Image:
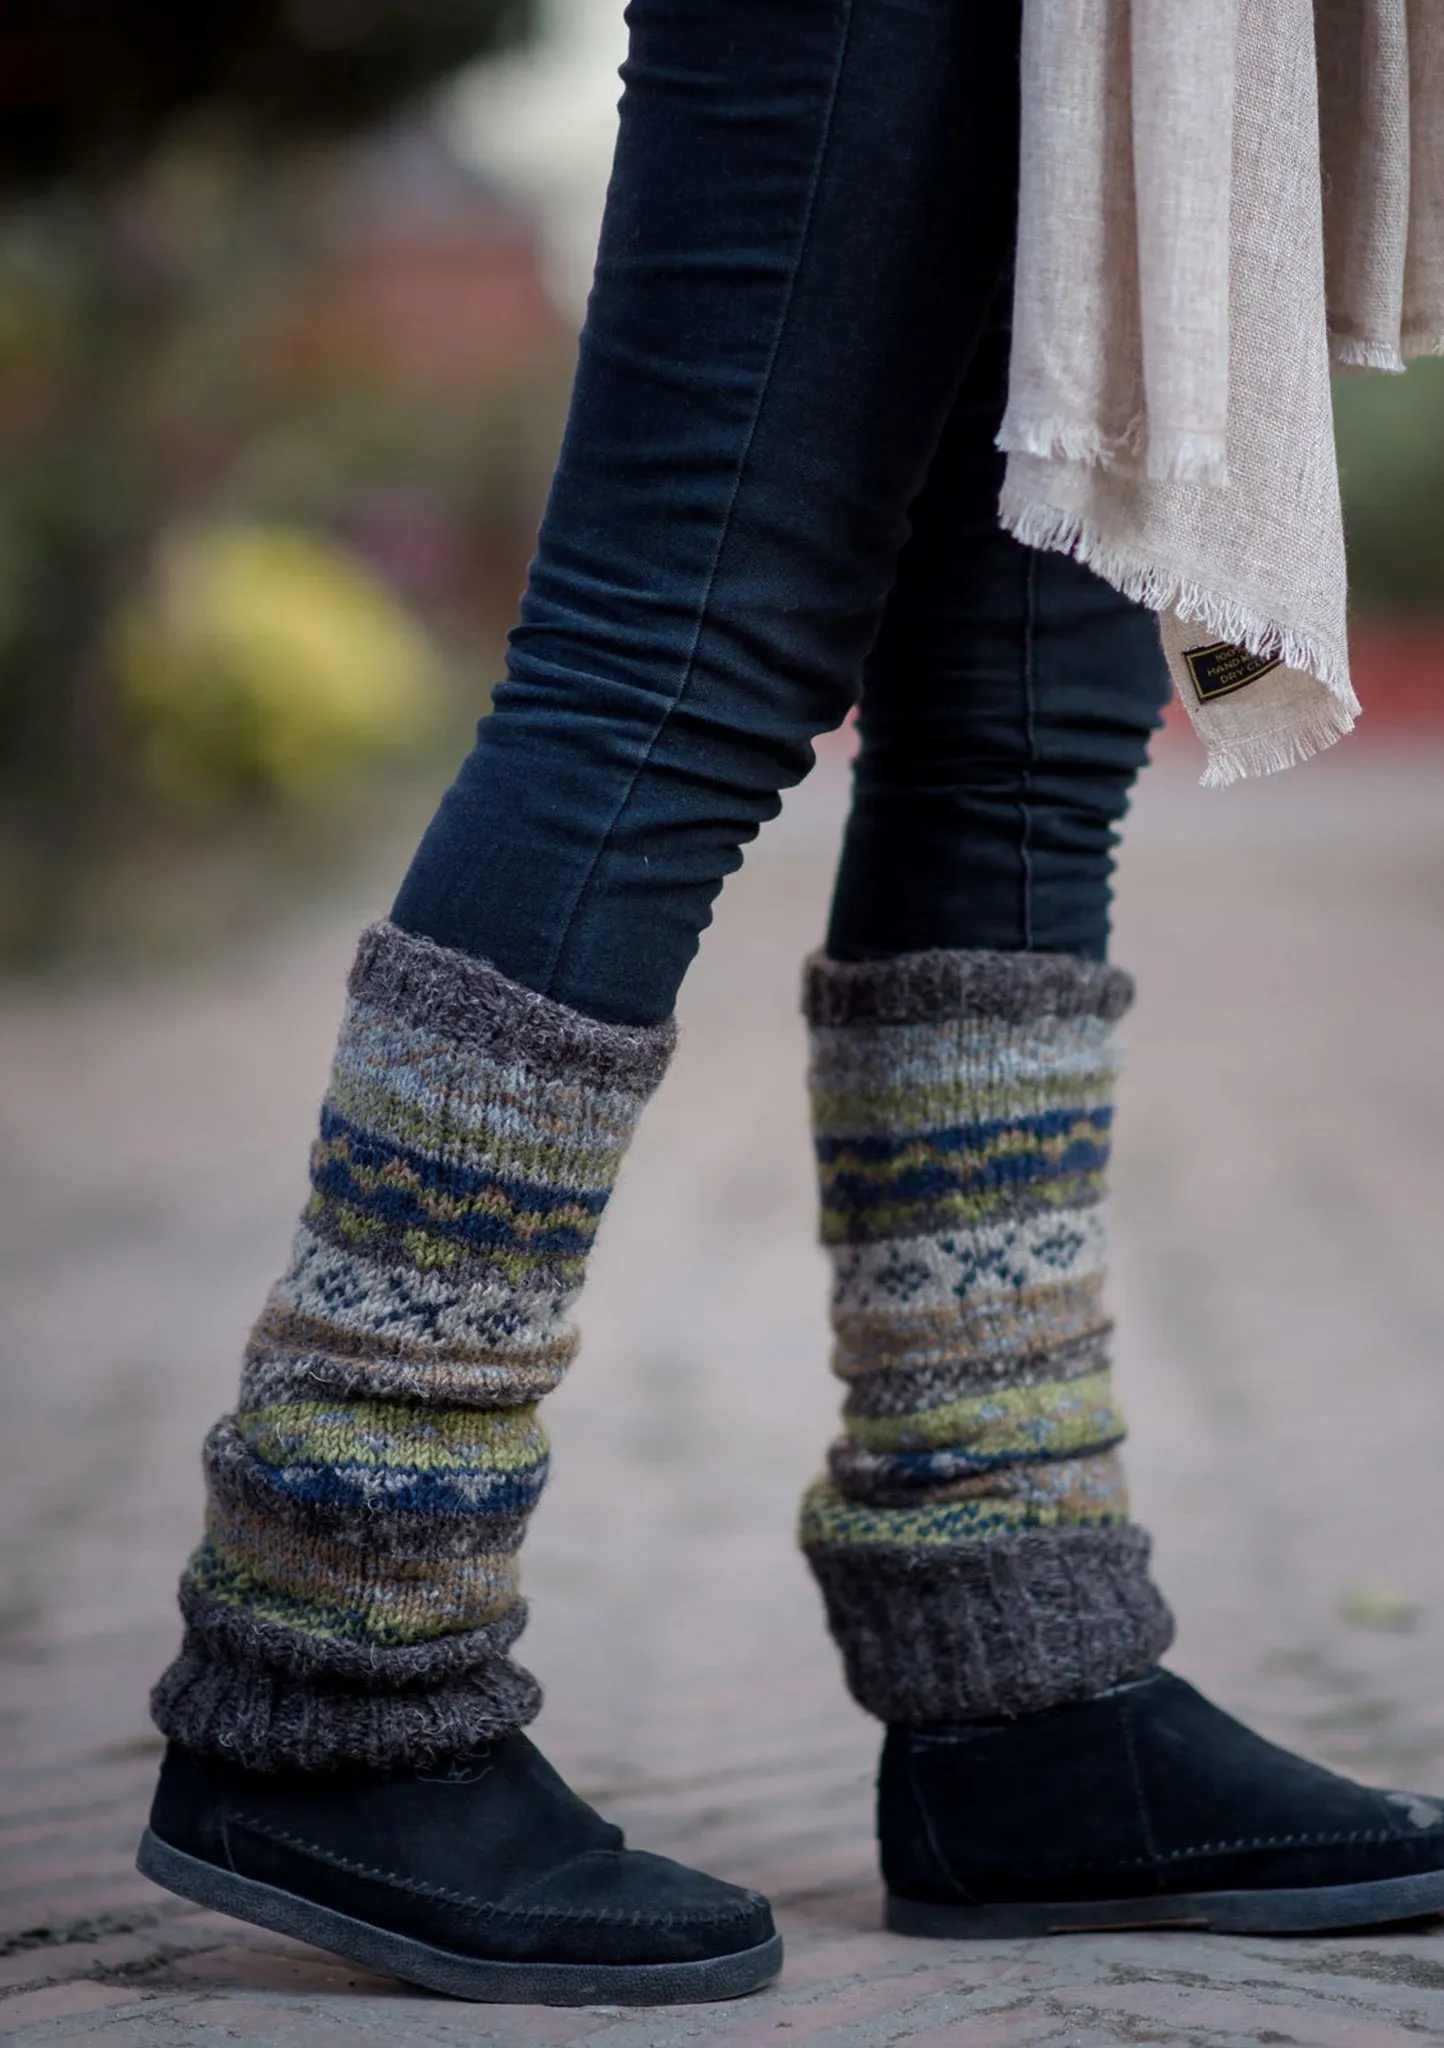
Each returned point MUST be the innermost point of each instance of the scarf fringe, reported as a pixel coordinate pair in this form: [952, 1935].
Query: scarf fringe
[1045, 526]
[1230, 758]
[1181, 459]
[1064, 441]
[1270, 753]
[1347, 352]
[1200, 459]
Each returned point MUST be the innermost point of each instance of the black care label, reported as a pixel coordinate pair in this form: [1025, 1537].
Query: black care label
[1220, 669]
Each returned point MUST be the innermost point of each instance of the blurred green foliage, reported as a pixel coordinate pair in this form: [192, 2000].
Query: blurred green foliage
[261, 661]
[1391, 452]
[205, 479]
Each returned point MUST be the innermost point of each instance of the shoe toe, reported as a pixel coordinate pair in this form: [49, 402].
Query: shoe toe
[629, 1906]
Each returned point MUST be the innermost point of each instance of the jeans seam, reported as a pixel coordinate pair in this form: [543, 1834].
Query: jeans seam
[1030, 742]
[725, 526]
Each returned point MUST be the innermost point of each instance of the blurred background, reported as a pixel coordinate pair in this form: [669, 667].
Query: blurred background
[283, 349]
[288, 298]
[287, 303]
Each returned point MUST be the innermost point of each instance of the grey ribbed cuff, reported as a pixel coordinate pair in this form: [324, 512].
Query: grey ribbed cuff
[920, 988]
[250, 1692]
[977, 1631]
[418, 982]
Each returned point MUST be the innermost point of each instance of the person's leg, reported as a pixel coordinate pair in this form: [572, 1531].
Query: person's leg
[811, 202]
[1007, 708]
[990, 1595]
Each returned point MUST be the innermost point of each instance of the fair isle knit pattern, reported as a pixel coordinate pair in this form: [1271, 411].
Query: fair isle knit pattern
[355, 1595]
[971, 1534]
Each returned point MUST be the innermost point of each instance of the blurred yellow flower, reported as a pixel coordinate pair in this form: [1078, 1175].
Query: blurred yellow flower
[263, 660]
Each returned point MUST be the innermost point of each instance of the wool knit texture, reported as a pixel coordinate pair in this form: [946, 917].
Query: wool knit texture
[971, 1534]
[354, 1598]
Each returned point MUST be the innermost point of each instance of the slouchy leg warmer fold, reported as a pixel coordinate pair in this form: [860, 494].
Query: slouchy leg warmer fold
[971, 1537]
[355, 1598]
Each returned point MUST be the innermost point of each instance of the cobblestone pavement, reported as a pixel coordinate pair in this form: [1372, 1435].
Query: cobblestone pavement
[1281, 1297]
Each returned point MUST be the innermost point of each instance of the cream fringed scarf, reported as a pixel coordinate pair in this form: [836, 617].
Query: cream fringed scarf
[1219, 200]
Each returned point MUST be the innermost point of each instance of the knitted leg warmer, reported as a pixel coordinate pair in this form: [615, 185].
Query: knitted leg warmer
[972, 1538]
[355, 1595]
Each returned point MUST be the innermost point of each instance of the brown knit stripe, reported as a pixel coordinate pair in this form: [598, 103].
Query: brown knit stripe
[330, 1587]
[426, 1382]
[988, 1338]
[285, 1332]
[914, 1391]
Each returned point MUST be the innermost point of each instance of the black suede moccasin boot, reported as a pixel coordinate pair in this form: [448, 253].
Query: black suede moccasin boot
[1144, 1807]
[485, 1879]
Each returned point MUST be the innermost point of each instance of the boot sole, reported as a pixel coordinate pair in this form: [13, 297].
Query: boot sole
[1320, 1909]
[437, 1969]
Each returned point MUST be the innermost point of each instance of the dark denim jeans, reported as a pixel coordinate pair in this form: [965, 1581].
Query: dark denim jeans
[775, 499]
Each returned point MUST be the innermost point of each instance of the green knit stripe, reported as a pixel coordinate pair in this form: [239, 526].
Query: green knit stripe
[327, 1592]
[386, 1435]
[955, 1208]
[524, 1141]
[926, 1077]
[904, 1109]
[1068, 1494]
[1050, 1420]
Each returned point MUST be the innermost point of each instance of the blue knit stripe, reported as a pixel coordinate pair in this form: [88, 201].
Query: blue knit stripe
[922, 1469]
[932, 1179]
[453, 1180]
[878, 1147]
[391, 1215]
[476, 1493]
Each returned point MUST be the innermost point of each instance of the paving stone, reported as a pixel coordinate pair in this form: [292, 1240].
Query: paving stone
[146, 1948]
[263, 1965]
[1281, 1307]
[57, 2002]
